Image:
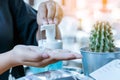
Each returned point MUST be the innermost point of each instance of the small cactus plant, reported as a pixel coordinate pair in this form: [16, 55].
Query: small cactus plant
[101, 39]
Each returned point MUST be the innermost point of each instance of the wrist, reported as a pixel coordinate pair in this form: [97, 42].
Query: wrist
[8, 61]
[13, 59]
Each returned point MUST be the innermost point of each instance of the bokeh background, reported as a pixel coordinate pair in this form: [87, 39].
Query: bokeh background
[78, 20]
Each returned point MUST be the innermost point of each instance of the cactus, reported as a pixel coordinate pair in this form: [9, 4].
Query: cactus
[101, 39]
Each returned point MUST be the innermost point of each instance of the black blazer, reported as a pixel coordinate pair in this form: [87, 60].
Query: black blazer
[17, 26]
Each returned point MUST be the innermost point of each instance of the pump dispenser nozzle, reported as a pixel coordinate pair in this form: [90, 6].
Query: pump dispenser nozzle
[50, 32]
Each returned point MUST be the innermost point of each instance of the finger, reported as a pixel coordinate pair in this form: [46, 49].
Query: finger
[64, 55]
[36, 54]
[57, 57]
[35, 64]
[77, 55]
[42, 21]
[42, 14]
[33, 58]
[42, 63]
[58, 15]
[40, 51]
[51, 7]
[46, 62]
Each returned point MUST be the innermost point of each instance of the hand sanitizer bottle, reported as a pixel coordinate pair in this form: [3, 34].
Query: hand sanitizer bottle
[51, 43]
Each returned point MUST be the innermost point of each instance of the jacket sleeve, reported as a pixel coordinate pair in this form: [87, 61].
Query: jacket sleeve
[24, 20]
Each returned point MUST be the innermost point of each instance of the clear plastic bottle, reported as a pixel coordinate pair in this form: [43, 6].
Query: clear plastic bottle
[51, 43]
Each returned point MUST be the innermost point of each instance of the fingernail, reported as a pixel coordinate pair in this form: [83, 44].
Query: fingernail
[50, 22]
[45, 56]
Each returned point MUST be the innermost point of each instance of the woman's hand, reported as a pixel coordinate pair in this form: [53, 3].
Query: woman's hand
[49, 12]
[58, 54]
[34, 56]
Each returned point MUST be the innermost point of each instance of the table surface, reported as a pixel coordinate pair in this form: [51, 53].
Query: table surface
[62, 74]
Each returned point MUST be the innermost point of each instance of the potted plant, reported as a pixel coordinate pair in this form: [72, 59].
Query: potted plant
[101, 48]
